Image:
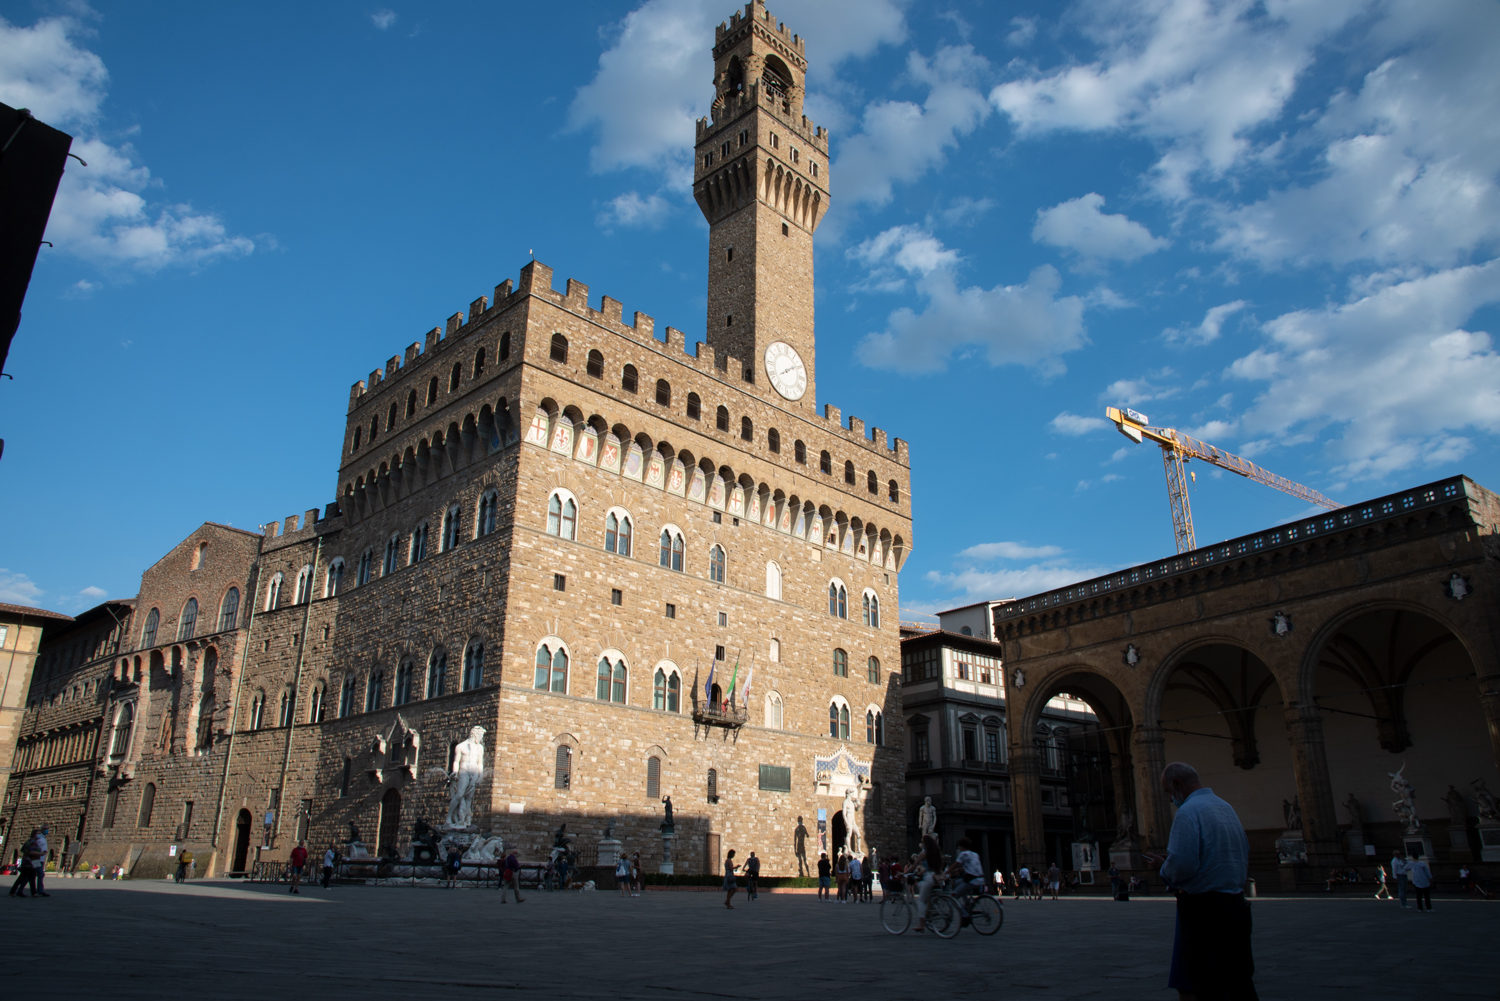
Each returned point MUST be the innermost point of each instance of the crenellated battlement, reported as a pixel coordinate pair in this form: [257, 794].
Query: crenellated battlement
[299, 528]
[756, 15]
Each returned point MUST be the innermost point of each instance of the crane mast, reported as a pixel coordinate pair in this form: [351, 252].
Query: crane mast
[1177, 448]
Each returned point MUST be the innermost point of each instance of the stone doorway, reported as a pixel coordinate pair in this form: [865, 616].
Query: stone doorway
[388, 838]
[241, 842]
[838, 835]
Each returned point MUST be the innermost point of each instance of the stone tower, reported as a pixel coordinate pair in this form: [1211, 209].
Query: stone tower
[761, 179]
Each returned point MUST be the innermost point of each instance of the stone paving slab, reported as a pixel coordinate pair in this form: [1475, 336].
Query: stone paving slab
[161, 940]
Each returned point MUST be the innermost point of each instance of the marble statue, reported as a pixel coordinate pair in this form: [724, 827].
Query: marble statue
[854, 840]
[1458, 810]
[927, 817]
[799, 847]
[486, 849]
[1292, 811]
[1406, 806]
[1356, 813]
[1124, 833]
[1489, 806]
[468, 767]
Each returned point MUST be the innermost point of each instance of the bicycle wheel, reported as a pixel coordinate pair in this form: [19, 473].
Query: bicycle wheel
[895, 913]
[987, 915]
[943, 917]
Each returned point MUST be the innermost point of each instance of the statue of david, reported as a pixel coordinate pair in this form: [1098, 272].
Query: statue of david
[468, 768]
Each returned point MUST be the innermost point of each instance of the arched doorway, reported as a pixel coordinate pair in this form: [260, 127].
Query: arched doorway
[389, 837]
[839, 834]
[241, 842]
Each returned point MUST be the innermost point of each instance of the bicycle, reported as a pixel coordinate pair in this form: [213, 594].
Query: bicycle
[946, 914]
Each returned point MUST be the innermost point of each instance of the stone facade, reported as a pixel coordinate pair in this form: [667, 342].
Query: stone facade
[479, 472]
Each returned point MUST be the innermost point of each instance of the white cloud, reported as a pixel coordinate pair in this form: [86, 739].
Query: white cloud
[1212, 325]
[383, 18]
[1142, 390]
[652, 84]
[965, 210]
[632, 211]
[990, 585]
[18, 589]
[1009, 551]
[908, 248]
[1214, 430]
[1079, 226]
[1193, 76]
[1074, 424]
[100, 213]
[1394, 372]
[1023, 31]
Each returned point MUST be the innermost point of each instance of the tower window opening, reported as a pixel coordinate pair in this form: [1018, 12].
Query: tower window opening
[694, 407]
[728, 255]
[785, 231]
[744, 136]
[596, 365]
[815, 170]
[559, 348]
[825, 463]
[721, 419]
[729, 320]
[794, 154]
[799, 451]
[629, 379]
[747, 429]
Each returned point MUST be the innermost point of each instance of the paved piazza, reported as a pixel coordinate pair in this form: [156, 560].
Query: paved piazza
[231, 940]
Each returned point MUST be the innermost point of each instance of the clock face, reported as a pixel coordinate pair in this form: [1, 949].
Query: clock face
[787, 373]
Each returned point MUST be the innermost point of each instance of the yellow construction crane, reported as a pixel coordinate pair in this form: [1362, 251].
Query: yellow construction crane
[1177, 448]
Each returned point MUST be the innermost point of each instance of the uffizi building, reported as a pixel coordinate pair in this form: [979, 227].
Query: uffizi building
[642, 570]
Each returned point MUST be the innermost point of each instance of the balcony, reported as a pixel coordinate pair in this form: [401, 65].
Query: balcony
[725, 715]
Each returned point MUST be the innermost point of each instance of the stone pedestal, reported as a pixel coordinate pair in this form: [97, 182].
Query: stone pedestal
[1126, 854]
[1458, 845]
[1356, 841]
[609, 851]
[357, 849]
[1418, 846]
[1291, 847]
[1489, 842]
[667, 837]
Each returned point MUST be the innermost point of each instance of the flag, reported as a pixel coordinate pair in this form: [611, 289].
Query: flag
[694, 690]
[729, 696]
[708, 686]
[745, 698]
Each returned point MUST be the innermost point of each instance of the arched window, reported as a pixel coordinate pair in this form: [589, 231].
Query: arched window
[773, 440]
[148, 634]
[288, 709]
[505, 345]
[451, 520]
[713, 785]
[437, 673]
[671, 549]
[562, 776]
[411, 403]
[872, 671]
[229, 609]
[716, 564]
[870, 609]
[773, 711]
[486, 522]
[559, 348]
[667, 691]
[148, 804]
[838, 600]
[825, 463]
[478, 362]
[374, 427]
[617, 533]
[304, 584]
[595, 366]
[551, 669]
[373, 690]
[721, 419]
[843, 722]
[653, 779]
[849, 472]
[474, 665]
[747, 429]
[390, 417]
[869, 726]
[663, 393]
[799, 452]
[611, 680]
[346, 697]
[257, 709]
[562, 515]
[366, 566]
[403, 684]
[124, 721]
[273, 594]
[189, 622]
[357, 433]
[334, 582]
[455, 377]
[315, 704]
[893, 492]
[629, 379]
[419, 544]
[694, 407]
[392, 551]
[773, 580]
[833, 720]
[432, 391]
[840, 662]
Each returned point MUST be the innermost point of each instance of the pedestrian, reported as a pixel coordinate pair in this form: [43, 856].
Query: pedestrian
[752, 877]
[95, 871]
[1380, 887]
[622, 874]
[999, 878]
[510, 879]
[856, 877]
[1207, 860]
[841, 876]
[825, 875]
[453, 866]
[637, 874]
[184, 862]
[929, 863]
[32, 859]
[1023, 883]
[299, 864]
[330, 859]
[1114, 882]
[1420, 875]
[729, 884]
[1400, 869]
[1054, 878]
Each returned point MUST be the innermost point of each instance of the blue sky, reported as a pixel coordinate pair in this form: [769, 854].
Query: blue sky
[1274, 224]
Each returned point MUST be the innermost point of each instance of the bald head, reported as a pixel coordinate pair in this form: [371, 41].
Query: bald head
[1179, 780]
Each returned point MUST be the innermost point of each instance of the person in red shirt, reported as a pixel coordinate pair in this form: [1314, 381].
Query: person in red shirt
[299, 860]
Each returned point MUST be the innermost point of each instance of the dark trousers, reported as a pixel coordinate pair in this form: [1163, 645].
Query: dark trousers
[327, 875]
[752, 886]
[1424, 896]
[1216, 954]
[29, 875]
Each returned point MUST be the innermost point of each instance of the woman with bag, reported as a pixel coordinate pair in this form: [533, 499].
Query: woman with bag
[729, 884]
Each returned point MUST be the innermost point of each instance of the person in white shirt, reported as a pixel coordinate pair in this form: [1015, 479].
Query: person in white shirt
[330, 859]
[622, 874]
[1399, 873]
[1421, 878]
[967, 868]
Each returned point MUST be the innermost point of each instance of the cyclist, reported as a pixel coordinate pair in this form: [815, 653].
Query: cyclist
[967, 870]
[929, 863]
